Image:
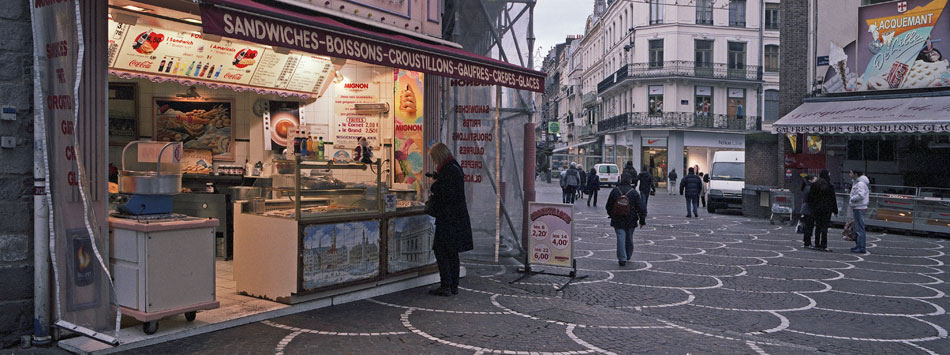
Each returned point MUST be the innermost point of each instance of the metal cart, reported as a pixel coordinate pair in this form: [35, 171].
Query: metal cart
[782, 205]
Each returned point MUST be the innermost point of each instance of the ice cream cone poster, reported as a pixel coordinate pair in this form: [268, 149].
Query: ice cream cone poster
[408, 142]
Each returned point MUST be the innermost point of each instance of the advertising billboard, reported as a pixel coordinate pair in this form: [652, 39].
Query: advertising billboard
[899, 45]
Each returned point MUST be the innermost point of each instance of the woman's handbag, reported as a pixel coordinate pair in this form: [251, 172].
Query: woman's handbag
[848, 232]
[800, 228]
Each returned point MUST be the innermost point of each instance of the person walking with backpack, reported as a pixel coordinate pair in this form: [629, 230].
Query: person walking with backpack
[692, 187]
[593, 186]
[569, 183]
[671, 183]
[625, 210]
[645, 185]
[822, 203]
[860, 196]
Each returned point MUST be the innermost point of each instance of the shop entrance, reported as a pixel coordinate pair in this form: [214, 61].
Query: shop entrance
[657, 161]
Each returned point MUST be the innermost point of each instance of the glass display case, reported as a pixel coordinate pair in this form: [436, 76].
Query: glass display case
[305, 189]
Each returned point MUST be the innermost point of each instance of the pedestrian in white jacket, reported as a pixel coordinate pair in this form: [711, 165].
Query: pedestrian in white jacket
[860, 195]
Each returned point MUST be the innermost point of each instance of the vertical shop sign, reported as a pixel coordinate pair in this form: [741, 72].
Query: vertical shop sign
[474, 135]
[552, 233]
[407, 145]
[67, 146]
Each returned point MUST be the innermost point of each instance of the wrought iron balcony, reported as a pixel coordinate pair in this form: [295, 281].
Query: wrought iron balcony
[589, 98]
[679, 120]
[682, 68]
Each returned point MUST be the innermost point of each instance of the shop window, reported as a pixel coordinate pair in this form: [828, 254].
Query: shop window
[773, 19]
[656, 53]
[704, 101]
[771, 58]
[736, 108]
[704, 12]
[655, 100]
[870, 150]
[886, 150]
[737, 13]
[855, 150]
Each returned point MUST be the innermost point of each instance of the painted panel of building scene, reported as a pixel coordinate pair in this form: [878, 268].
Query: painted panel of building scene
[410, 242]
[338, 253]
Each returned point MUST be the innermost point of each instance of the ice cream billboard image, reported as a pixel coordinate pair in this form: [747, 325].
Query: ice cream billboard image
[900, 46]
[408, 147]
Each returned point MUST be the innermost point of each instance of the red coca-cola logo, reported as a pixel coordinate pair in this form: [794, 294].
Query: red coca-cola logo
[143, 64]
[230, 76]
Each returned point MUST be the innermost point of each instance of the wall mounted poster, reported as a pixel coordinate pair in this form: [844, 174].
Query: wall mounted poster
[280, 118]
[410, 242]
[350, 124]
[900, 46]
[339, 253]
[198, 124]
[552, 233]
[408, 142]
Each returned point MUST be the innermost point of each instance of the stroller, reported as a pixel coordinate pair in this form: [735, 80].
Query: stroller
[782, 204]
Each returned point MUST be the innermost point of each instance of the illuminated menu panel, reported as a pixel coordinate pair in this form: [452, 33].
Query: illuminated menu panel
[187, 54]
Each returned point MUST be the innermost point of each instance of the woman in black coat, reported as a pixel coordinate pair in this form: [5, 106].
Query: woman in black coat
[453, 229]
[593, 186]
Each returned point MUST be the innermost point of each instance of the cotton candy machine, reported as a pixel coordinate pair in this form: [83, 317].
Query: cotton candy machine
[150, 176]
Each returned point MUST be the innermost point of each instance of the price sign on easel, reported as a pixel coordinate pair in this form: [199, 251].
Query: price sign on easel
[552, 231]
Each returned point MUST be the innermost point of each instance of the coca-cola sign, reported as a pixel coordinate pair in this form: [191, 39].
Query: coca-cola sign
[141, 64]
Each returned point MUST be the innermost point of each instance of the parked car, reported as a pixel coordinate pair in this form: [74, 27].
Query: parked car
[609, 174]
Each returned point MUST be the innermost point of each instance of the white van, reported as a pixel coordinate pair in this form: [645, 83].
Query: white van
[726, 181]
[609, 174]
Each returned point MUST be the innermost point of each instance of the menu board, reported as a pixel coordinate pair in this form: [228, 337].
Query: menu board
[187, 54]
[350, 124]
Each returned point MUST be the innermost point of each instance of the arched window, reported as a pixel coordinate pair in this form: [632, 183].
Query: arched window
[771, 106]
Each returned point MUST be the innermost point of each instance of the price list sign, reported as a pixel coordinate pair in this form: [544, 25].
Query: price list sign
[552, 234]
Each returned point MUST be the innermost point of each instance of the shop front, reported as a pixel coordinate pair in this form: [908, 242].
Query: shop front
[655, 157]
[700, 147]
[893, 139]
[289, 151]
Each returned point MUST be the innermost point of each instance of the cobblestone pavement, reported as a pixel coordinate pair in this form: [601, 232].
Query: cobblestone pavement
[716, 284]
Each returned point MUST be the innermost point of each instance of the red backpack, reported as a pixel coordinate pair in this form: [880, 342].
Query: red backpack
[622, 207]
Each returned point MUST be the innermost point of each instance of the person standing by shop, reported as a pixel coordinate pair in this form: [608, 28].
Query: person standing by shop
[860, 196]
[671, 183]
[808, 218]
[692, 187]
[822, 203]
[453, 229]
[705, 180]
[625, 210]
[593, 186]
[569, 183]
[645, 183]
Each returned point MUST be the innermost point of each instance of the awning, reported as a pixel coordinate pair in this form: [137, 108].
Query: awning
[254, 22]
[561, 149]
[908, 114]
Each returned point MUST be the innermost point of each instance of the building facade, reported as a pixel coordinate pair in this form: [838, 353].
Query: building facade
[665, 85]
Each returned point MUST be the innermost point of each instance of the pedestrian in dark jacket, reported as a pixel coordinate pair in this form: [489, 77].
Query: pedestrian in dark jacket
[453, 229]
[822, 203]
[692, 187]
[671, 183]
[628, 169]
[593, 186]
[569, 184]
[645, 185]
[626, 210]
[808, 219]
[582, 187]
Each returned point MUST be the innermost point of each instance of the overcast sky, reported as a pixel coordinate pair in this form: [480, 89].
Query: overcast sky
[554, 20]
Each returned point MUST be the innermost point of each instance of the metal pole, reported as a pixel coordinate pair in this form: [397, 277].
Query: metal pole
[530, 159]
[497, 171]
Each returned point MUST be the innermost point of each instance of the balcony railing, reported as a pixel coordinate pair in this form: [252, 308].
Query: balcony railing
[679, 120]
[589, 98]
[681, 68]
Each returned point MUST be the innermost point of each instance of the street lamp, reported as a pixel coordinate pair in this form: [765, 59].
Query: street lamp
[632, 31]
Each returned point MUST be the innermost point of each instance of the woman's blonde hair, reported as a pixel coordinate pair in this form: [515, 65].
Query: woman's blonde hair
[439, 153]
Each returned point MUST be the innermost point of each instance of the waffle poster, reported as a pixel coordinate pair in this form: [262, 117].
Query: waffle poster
[901, 44]
[552, 233]
[408, 142]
